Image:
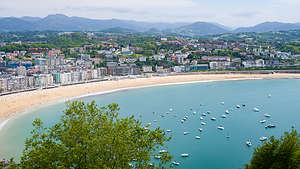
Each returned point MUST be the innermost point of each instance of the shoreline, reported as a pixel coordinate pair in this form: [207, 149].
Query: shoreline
[11, 107]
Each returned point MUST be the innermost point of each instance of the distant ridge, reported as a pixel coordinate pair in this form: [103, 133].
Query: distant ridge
[60, 22]
[270, 27]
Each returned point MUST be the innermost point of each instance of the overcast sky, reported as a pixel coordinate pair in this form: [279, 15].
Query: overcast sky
[232, 13]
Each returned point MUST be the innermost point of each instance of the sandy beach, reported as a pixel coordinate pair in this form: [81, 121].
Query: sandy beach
[12, 105]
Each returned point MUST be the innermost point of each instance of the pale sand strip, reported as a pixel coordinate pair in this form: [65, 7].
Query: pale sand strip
[11, 105]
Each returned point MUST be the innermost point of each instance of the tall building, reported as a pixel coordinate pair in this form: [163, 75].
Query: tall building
[21, 71]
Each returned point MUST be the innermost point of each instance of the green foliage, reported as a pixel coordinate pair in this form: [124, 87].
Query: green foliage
[283, 153]
[73, 40]
[89, 136]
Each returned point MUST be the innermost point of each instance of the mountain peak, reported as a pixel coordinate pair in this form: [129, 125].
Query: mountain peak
[61, 16]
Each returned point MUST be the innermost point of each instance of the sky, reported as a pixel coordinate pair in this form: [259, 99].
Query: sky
[231, 13]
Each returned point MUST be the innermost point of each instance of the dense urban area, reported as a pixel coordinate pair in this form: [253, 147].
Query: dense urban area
[37, 60]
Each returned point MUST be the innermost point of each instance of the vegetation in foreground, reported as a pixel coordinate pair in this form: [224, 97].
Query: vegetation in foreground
[89, 136]
[282, 153]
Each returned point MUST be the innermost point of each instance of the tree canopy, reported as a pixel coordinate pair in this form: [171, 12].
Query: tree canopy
[282, 153]
[89, 136]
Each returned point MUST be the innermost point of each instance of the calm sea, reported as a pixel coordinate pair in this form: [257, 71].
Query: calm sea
[213, 150]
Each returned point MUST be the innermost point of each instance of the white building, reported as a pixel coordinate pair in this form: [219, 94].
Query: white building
[147, 69]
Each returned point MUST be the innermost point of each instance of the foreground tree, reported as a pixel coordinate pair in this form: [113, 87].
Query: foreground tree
[91, 137]
[283, 153]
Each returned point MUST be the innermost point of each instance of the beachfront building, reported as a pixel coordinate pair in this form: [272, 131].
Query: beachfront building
[199, 67]
[21, 71]
[147, 69]
[16, 83]
[179, 69]
[3, 85]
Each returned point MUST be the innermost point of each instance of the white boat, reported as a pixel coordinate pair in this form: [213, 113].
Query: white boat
[175, 163]
[203, 114]
[267, 115]
[201, 118]
[185, 133]
[256, 109]
[170, 109]
[223, 116]
[269, 95]
[182, 121]
[169, 130]
[194, 112]
[263, 121]
[154, 120]
[197, 137]
[238, 106]
[263, 138]
[213, 119]
[222, 103]
[270, 126]
[200, 129]
[203, 123]
[220, 128]
[227, 111]
[157, 157]
[163, 151]
[248, 143]
[184, 155]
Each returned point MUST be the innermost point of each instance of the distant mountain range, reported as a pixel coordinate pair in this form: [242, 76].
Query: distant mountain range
[61, 22]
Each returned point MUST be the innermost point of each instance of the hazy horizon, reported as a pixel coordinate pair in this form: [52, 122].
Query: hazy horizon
[230, 13]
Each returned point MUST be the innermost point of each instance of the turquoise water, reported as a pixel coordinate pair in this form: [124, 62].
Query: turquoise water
[213, 150]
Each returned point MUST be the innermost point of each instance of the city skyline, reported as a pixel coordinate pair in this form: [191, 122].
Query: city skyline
[231, 13]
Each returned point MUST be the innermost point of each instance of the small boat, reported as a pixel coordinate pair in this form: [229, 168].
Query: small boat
[194, 112]
[197, 137]
[200, 129]
[208, 112]
[248, 143]
[263, 138]
[223, 116]
[270, 126]
[220, 128]
[170, 109]
[157, 157]
[203, 114]
[176, 163]
[201, 118]
[203, 123]
[222, 103]
[263, 121]
[256, 109]
[238, 106]
[163, 151]
[169, 130]
[267, 115]
[154, 120]
[182, 121]
[213, 119]
[227, 136]
[269, 96]
[184, 155]
[227, 111]
[244, 105]
[185, 133]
